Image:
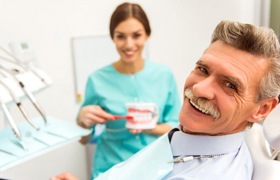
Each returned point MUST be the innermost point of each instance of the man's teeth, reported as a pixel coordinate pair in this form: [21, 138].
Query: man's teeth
[188, 93]
[200, 109]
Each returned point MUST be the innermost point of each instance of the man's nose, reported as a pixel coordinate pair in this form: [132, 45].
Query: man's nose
[205, 88]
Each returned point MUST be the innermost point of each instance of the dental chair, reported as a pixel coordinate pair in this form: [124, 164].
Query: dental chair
[263, 141]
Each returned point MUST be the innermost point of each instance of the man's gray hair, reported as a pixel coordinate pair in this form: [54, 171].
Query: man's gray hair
[260, 41]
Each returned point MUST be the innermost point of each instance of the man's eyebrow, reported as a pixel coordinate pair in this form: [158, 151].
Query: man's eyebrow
[236, 81]
[201, 63]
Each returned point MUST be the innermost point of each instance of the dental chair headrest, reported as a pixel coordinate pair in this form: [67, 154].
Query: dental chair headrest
[271, 128]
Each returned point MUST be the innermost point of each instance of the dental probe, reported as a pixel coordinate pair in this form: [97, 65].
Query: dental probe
[28, 93]
[11, 120]
[18, 103]
[13, 125]
[34, 101]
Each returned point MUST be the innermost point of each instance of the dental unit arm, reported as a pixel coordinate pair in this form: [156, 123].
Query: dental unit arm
[18, 80]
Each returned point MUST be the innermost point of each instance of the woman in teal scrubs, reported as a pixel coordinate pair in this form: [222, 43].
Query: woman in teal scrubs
[130, 79]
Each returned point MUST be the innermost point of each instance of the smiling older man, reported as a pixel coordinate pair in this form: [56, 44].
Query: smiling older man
[235, 83]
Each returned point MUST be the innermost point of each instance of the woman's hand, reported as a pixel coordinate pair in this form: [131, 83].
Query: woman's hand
[159, 129]
[64, 176]
[91, 115]
[135, 131]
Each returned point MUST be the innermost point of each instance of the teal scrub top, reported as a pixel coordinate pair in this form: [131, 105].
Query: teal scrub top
[111, 90]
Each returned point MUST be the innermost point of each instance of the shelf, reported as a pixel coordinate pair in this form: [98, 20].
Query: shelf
[55, 134]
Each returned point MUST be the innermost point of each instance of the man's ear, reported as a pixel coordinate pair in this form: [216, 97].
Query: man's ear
[263, 109]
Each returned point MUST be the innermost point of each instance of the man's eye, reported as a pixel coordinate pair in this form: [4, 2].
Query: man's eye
[231, 86]
[203, 70]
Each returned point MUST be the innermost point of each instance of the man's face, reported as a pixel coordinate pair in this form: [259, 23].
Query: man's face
[221, 91]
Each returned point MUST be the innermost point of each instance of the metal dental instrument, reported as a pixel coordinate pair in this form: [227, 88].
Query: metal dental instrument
[11, 120]
[34, 101]
[18, 103]
[21, 64]
[27, 92]
[13, 125]
[181, 159]
[12, 72]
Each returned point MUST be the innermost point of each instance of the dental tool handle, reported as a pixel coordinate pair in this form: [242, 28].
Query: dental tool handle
[38, 107]
[18, 103]
[34, 101]
[28, 119]
[11, 121]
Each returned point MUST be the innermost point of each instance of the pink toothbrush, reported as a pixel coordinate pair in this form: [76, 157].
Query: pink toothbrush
[129, 118]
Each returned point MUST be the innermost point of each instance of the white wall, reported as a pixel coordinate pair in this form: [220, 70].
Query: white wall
[181, 30]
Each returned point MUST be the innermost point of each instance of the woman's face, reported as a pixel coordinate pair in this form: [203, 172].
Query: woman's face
[130, 37]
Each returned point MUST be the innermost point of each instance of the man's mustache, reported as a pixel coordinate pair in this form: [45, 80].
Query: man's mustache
[203, 104]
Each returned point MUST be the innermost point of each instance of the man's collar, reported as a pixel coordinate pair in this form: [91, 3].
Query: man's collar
[187, 144]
